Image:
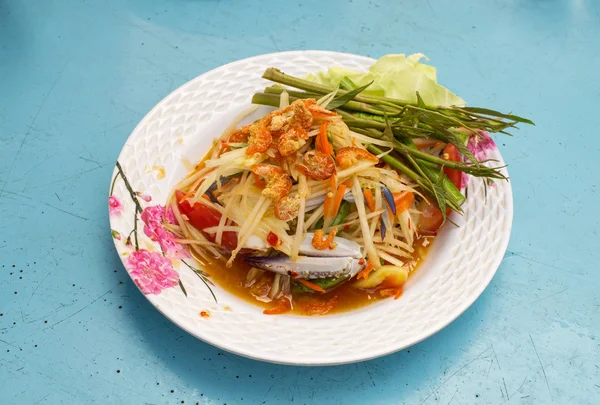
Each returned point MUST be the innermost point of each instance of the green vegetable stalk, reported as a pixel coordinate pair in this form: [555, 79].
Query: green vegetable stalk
[400, 122]
[342, 213]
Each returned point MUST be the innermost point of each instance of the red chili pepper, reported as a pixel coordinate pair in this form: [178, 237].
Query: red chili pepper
[201, 216]
[451, 154]
[272, 239]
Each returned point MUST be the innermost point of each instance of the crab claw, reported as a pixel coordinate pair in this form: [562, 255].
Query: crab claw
[308, 267]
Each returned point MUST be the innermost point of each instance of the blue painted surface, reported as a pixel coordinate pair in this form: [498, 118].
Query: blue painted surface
[75, 78]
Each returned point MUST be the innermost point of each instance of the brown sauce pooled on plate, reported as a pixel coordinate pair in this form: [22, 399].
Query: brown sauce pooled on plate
[342, 299]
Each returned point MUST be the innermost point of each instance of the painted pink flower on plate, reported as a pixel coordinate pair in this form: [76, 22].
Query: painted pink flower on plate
[480, 146]
[114, 206]
[144, 197]
[154, 217]
[151, 271]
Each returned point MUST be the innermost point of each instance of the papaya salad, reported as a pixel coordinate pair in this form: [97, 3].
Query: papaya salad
[329, 201]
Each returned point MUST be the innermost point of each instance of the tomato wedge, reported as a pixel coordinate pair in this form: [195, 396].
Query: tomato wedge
[431, 218]
[451, 153]
[201, 217]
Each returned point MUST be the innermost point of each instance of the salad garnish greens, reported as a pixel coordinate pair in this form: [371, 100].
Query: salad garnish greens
[395, 76]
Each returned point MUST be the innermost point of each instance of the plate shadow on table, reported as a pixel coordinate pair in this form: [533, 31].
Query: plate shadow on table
[228, 378]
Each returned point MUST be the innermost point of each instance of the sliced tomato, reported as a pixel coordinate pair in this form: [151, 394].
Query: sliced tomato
[431, 218]
[201, 217]
[451, 153]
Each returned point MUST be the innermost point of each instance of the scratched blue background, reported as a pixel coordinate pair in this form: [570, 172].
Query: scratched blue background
[75, 78]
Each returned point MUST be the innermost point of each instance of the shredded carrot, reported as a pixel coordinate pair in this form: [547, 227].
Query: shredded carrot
[259, 182]
[320, 115]
[333, 182]
[322, 131]
[322, 142]
[329, 198]
[310, 285]
[370, 200]
[224, 147]
[364, 273]
[318, 144]
[403, 201]
[186, 196]
[206, 197]
[337, 202]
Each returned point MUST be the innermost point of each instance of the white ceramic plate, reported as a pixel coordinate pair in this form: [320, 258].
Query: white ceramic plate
[180, 129]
